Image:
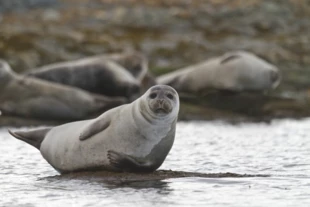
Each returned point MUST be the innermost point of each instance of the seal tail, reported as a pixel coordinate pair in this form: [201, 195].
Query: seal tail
[33, 137]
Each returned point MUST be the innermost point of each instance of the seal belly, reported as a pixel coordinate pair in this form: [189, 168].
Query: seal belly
[63, 149]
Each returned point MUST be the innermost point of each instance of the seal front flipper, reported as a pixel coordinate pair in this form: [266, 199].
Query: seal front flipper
[94, 127]
[33, 137]
[127, 163]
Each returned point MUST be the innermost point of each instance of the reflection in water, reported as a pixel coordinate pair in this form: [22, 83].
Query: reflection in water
[162, 186]
[109, 183]
[280, 149]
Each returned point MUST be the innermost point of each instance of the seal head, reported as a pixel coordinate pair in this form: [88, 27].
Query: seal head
[159, 102]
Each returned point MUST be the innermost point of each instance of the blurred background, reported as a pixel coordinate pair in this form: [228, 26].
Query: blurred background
[172, 33]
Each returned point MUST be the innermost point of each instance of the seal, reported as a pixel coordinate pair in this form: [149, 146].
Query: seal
[137, 64]
[35, 98]
[134, 137]
[235, 71]
[94, 74]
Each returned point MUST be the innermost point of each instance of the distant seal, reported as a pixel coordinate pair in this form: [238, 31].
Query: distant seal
[34, 98]
[96, 75]
[137, 64]
[134, 137]
[234, 71]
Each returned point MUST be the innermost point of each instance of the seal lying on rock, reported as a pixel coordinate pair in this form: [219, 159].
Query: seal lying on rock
[137, 64]
[234, 71]
[96, 75]
[34, 98]
[134, 137]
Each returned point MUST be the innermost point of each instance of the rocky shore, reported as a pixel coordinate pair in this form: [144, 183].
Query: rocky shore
[172, 34]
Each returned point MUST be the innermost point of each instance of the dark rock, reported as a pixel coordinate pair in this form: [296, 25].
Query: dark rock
[241, 107]
[124, 178]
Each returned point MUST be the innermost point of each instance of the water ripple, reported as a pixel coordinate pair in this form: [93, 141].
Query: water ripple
[280, 149]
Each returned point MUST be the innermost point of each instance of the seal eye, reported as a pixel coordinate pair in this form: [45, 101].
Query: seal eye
[153, 95]
[170, 96]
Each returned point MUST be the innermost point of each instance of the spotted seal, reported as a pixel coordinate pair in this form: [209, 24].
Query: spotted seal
[135, 137]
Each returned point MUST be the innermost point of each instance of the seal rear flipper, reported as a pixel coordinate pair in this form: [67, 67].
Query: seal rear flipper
[126, 163]
[33, 137]
[94, 128]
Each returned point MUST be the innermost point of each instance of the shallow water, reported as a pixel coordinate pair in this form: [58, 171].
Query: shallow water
[280, 149]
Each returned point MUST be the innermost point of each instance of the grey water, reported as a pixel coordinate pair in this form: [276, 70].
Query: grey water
[280, 149]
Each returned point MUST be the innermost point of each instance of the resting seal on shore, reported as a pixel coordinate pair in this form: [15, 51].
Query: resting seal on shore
[35, 98]
[96, 75]
[137, 64]
[234, 71]
[134, 137]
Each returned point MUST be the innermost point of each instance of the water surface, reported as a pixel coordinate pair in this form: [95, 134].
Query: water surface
[280, 149]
